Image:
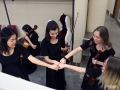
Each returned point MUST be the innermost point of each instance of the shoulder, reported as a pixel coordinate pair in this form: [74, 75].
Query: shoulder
[109, 48]
[44, 41]
[35, 34]
[17, 46]
[86, 43]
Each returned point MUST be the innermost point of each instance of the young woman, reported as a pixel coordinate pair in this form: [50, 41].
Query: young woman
[98, 42]
[10, 55]
[33, 48]
[110, 74]
[51, 50]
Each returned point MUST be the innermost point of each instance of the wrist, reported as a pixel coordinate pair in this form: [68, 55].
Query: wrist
[48, 66]
[65, 58]
[97, 62]
[53, 61]
[65, 65]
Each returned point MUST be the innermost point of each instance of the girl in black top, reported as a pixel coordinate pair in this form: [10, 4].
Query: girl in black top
[98, 42]
[51, 50]
[10, 55]
[109, 74]
[33, 48]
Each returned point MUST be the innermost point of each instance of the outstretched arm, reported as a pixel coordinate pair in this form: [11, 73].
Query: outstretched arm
[76, 50]
[75, 68]
[41, 63]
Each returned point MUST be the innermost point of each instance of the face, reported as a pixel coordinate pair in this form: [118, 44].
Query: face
[12, 41]
[105, 64]
[53, 33]
[96, 37]
[25, 32]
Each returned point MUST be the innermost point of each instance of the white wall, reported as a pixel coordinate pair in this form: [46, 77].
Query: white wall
[110, 6]
[34, 12]
[80, 27]
[8, 82]
[96, 14]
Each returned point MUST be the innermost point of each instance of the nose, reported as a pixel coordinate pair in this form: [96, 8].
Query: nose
[14, 41]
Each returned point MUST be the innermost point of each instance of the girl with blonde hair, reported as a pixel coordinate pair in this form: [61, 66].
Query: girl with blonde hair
[109, 74]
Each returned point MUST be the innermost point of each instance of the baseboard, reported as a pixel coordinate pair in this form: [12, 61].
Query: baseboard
[111, 15]
[118, 23]
[107, 11]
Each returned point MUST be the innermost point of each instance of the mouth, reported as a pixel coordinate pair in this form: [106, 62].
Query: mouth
[13, 44]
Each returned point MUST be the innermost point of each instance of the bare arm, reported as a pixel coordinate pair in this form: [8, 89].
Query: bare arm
[94, 61]
[73, 52]
[99, 63]
[30, 43]
[76, 50]
[41, 63]
[38, 62]
[75, 68]
[21, 37]
[48, 60]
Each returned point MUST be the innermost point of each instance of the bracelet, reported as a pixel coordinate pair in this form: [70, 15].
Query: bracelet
[65, 58]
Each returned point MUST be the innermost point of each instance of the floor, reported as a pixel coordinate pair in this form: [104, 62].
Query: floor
[74, 79]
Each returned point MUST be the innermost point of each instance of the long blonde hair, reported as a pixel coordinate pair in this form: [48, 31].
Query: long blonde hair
[111, 77]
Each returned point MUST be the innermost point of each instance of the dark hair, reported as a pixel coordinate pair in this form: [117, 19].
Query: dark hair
[6, 33]
[51, 25]
[104, 34]
[26, 28]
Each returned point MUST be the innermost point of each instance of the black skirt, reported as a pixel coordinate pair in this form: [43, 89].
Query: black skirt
[55, 79]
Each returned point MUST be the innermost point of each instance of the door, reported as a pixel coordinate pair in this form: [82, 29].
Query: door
[116, 10]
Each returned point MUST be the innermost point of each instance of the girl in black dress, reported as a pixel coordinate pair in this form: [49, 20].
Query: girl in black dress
[98, 42]
[10, 55]
[51, 50]
[33, 48]
[109, 74]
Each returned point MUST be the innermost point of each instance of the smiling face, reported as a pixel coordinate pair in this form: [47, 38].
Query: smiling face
[12, 41]
[53, 33]
[96, 37]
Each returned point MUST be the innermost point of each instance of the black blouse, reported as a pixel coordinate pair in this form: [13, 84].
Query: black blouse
[11, 64]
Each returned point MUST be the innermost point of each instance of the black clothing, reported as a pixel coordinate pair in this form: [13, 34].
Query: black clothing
[11, 64]
[54, 79]
[30, 67]
[96, 72]
[103, 56]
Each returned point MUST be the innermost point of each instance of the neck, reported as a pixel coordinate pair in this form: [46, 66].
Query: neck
[53, 39]
[100, 44]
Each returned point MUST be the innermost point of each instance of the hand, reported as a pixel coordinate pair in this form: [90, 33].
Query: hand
[61, 66]
[66, 49]
[56, 62]
[54, 67]
[27, 38]
[63, 61]
[94, 61]
[18, 38]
